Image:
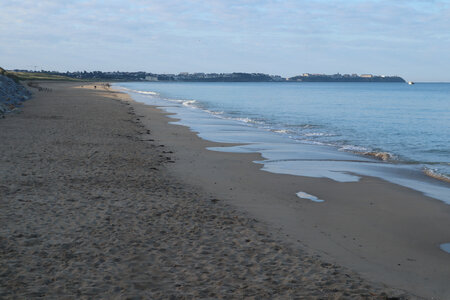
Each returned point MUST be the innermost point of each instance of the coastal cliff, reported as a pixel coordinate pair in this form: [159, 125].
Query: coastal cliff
[12, 93]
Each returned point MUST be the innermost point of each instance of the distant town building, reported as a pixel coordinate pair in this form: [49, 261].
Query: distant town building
[151, 78]
[366, 75]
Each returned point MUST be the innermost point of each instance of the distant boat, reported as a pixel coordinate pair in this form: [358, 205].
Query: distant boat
[410, 82]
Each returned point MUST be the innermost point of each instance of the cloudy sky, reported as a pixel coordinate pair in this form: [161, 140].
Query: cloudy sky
[410, 38]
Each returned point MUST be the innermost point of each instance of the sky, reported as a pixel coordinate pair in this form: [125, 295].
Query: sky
[408, 38]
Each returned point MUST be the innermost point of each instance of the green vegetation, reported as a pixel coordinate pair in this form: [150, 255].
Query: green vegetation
[38, 76]
[17, 76]
[8, 74]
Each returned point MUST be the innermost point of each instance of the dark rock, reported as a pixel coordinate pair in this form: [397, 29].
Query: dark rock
[12, 94]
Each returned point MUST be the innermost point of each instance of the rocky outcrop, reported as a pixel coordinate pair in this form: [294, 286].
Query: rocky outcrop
[12, 94]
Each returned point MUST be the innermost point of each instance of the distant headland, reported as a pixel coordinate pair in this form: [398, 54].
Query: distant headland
[345, 78]
[204, 77]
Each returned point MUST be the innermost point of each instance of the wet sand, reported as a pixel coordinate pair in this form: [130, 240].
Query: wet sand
[100, 198]
[386, 232]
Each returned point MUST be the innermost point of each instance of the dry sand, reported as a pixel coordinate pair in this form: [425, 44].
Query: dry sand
[98, 202]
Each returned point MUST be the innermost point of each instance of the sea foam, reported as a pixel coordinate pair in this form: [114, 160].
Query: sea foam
[347, 118]
[313, 198]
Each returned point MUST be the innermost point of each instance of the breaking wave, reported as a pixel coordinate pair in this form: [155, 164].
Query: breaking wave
[435, 174]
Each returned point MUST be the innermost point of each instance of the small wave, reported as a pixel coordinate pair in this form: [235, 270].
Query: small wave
[352, 148]
[139, 92]
[245, 120]
[311, 142]
[304, 126]
[281, 131]
[214, 112]
[312, 134]
[189, 102]
[435, 174]
[248, 120]
[147, 93]
[184, 102]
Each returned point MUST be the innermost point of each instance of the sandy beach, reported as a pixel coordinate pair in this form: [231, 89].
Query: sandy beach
[385, 232]
[101, 198]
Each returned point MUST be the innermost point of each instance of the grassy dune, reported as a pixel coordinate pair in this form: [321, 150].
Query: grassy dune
[39, 76]
[6, 73]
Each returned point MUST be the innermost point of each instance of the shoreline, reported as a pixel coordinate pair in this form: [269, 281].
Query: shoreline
[305, 157]
[91, 208]
[391, 236]
[102, 197]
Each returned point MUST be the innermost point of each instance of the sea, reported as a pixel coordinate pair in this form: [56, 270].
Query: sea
[342, 131]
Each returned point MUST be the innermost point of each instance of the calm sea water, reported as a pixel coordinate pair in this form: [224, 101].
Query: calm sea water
[294, 122]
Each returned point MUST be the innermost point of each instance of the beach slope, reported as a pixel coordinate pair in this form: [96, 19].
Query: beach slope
[92, 208]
